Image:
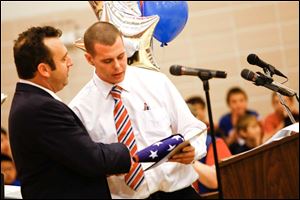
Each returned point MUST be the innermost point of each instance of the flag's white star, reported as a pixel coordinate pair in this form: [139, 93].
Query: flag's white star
[153, 154]
[171, 147]
[158, 143]
[177, 137]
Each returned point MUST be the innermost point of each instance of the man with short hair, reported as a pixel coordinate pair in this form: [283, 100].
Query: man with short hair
[137, 107]
[54, 155]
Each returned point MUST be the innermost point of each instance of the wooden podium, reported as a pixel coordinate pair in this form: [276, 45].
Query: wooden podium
[270, 171]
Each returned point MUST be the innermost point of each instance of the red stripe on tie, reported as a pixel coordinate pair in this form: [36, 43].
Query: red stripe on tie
[122, 135]
[120, 120]
[116, 110]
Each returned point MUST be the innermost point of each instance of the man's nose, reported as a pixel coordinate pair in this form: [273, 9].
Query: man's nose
[117, 64]
[70, 62]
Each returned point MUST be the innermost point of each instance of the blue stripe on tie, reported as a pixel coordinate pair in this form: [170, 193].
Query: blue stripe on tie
[122, 124]
[133, 175]
[116, 89]
[119, 112]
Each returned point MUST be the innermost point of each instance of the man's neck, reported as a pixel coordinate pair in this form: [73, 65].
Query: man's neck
[42, 83]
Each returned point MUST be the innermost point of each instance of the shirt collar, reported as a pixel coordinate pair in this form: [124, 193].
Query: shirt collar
[41, 87]
[105, 87]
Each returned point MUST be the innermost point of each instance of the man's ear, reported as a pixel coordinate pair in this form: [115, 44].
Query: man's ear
[89, 58]
[44, 70]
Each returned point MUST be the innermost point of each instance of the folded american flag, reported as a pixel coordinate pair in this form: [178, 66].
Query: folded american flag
[158, 150]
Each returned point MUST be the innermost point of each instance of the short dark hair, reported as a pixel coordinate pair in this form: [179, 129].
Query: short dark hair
[100, 32]
[235, 90]
[3, 130]
[196, 100]
[30, 50]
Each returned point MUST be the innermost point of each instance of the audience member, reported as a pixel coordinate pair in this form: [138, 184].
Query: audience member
[207, 181]
[249, 129]
[205, 167]
[279, 118]
[5, 146]
[290, 102]
[198, 108]
[237, 101]
[9, 171]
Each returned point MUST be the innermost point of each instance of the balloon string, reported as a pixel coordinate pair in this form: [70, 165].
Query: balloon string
[163, 44]
[141, 7]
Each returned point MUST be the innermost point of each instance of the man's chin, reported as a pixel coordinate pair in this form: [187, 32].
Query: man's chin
[118, 79]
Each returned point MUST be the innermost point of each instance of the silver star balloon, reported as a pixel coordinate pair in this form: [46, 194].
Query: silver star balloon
[97, 7]
[137, 30]
[3, 97]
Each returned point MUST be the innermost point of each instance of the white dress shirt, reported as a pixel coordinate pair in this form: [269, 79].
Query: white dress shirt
[156, 110]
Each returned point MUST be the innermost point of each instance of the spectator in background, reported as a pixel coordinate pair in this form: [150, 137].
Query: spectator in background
[5, 147]
[8, 169]
[279, 118]
[249, 129]
[198, 108]
[237, 101]
[274, 121]
[205, 167]
[290, 102]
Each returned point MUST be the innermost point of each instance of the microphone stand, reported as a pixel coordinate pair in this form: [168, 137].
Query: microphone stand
[205, 77]
[286, 108]
[270, 73]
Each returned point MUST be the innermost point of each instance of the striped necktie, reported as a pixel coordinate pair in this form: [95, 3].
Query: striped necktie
[125, 134]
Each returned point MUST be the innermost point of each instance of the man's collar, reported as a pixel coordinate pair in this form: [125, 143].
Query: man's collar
[41, 87]
[105, 87]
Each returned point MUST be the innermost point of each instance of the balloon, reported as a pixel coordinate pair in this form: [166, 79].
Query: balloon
[3, 97]
[173, 17]
[97, 7]
[137, 31]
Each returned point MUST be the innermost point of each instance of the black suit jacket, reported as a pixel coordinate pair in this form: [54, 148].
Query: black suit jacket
[54, 155]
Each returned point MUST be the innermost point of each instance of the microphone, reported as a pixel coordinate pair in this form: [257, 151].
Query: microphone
[262, 80]
[254, 60]
[178, 70]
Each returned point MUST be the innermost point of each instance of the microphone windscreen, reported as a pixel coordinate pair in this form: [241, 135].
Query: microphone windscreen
[247, 74]
[252, 59]
[175, 70]
[221, 74]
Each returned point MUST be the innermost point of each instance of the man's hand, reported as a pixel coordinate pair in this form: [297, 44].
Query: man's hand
[185, 156]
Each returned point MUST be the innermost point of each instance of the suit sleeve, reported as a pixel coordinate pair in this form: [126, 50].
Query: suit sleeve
[64, 138]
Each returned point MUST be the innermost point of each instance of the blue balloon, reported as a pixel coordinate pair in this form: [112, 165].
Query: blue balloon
[173, 17]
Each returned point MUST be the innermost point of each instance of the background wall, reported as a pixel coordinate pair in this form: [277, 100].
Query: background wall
[218, 35]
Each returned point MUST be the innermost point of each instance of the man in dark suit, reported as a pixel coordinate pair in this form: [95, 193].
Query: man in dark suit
[54, 155]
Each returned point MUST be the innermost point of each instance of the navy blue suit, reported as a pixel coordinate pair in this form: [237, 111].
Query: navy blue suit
[54, 155]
